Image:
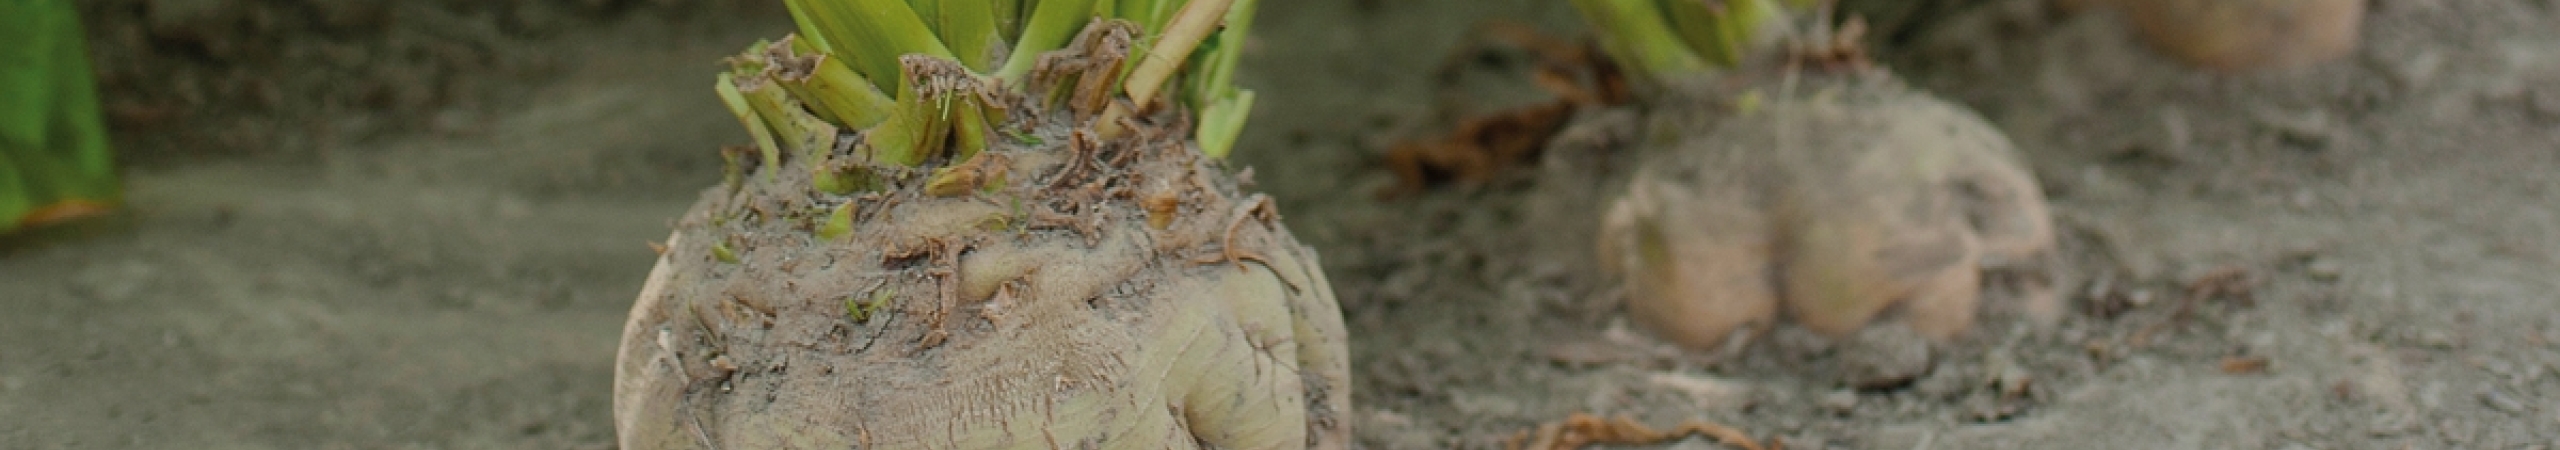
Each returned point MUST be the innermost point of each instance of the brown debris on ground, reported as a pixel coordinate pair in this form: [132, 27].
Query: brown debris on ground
[2230, 281]
[1583, 430]
[1480, 147]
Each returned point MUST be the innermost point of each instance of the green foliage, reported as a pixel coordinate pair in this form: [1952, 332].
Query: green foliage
[860, 311]
[839, 222]
[1661, 39]
[916, 77]
[53, 143]
[869, 34]
[1212, 89]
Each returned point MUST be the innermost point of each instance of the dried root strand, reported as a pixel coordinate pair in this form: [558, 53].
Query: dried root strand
[1086, 224]
[1483, 146]
[1084, 148]
[1256, 207]
[942, 78]
[946, 274]
[977, 173]
[1834, 50]
[1086, 68]
[1582, 429]
[2226, 281]
[1574, 71]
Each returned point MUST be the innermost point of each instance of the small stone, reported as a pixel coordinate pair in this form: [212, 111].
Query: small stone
[1841, 401]
[2174, 134]
[2012, 381]
[2501, 401]
[2415, 70]
[1984, 409]
[1389, 418]
[2323, 269]
[2309, 130]
[2437, 339]
[1796, 341]
[1945, 383]
[1884, 356]
[1711, 393]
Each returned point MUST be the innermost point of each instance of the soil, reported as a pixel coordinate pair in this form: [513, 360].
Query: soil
[2373, 238]
[190, 80]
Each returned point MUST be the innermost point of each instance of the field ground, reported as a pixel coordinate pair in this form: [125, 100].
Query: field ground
[461, 285]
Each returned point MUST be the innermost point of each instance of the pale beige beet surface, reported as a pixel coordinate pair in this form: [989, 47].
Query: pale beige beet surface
[465, 288]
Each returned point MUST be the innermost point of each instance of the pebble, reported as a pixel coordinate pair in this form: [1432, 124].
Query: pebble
[2309, 129]
[1945, 383]
[2323, 269]
[2501, 401]
[1710, 393]
[2412, 71]
[1884, 356]
[1840, 402]
[1984, 409]
[1797, 341]
[2436, 339]
[2012, 381]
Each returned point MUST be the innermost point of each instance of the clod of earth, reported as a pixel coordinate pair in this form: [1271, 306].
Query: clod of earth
[1011, 261]
[1837, 201]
